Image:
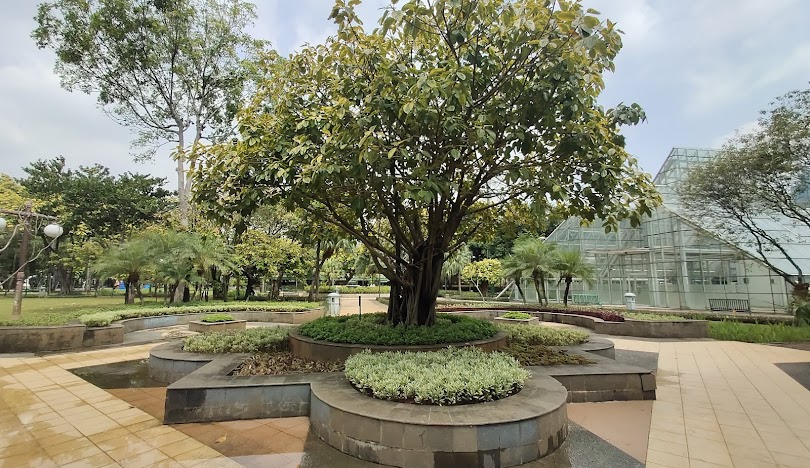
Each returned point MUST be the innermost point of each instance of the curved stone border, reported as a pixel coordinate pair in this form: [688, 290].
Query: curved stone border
[317, 350]
[595, 345]
[208, 327]
[641, 328]
[76, 336]
[519, 429]
[169, 363]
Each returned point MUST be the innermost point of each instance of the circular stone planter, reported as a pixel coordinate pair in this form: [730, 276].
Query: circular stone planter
[518, 429]
[511, 321]
[207, 327]
[323, 351]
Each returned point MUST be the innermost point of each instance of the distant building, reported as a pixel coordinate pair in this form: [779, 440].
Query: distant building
[674, 261]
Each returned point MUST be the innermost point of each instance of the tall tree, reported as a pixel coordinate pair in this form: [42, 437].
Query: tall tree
[765, 173]
[572, 264]
[447, 109]
[172, 71]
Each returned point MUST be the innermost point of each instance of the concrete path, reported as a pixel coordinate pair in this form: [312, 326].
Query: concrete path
[720, 404]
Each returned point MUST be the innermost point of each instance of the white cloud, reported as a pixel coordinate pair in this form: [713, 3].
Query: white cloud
[747, 127]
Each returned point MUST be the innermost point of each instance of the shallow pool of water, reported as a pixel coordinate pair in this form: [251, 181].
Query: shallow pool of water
[126, 374]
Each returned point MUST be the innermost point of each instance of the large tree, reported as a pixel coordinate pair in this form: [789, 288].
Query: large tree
[93, 206]
[400, 136]
[172, 71]
[765, 174]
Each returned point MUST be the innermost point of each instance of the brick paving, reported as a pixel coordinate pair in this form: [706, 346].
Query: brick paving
[720, 404]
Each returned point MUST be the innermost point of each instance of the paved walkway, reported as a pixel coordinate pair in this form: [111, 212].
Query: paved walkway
[720, 404]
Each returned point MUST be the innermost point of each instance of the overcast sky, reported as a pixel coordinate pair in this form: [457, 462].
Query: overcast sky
[700, 68]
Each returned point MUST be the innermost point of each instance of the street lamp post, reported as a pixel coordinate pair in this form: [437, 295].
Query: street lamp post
[52, 230]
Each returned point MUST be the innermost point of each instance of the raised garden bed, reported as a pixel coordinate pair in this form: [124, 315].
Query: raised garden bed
[517, 318]
[200, 326]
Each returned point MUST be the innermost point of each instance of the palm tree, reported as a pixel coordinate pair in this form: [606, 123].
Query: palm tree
[209, 254]
[536, 259]
[456, 263]
[132, 261]
[572, 264]
[513, 270]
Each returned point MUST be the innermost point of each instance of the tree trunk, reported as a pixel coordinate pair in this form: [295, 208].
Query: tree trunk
[567, 288]
[316, 274]
[276, 288]
[127, 298]
[537, 288]
[459, 284]
[138, 292]
[543, 287]
[249, 283]
[520, 290]
[179, 292]
[182, 195]
[415, 305]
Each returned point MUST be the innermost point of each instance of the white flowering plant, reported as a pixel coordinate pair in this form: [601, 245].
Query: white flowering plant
[451, 376]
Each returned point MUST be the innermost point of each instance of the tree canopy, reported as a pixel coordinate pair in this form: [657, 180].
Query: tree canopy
[172, 71]
[764, 174]
[402, 135]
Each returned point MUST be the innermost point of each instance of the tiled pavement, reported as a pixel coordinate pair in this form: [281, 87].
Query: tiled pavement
[719, 404]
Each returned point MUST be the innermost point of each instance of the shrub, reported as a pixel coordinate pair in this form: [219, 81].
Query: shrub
[451, 376]
[516, 316]
[372, 329]
[252, 340]
[214, 318]
[652, 316]
[607, 315]
[103, 319]
[541, 335]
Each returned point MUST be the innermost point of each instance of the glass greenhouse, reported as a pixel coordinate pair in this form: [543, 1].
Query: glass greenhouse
[676, 262]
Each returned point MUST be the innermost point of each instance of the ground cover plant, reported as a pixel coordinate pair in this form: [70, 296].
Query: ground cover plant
[372, 329]
[252, 340]
[450, 376]
[541, 335]
[102, 319]
[649, 316]
[215, 318]
[282, 363]
[530, 345]
[758, 333]
[516, 316]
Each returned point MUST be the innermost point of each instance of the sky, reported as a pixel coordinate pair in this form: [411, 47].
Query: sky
[701, 69]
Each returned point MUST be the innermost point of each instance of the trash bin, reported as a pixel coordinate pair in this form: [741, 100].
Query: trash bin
[333, 304]
[630, 301]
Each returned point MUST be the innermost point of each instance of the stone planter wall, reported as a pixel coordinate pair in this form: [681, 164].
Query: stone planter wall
[641, 328]
[103, 336]
[207, 327]
[323, 351]
[518, 429]
[38, 339]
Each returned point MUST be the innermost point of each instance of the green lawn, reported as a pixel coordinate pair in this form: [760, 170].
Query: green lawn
[55, 310]
[758, 333]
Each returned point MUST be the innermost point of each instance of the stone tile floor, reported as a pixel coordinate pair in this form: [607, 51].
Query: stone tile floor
[720, 404]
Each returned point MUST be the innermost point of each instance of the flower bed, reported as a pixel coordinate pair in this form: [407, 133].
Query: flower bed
[452, 376]
[372, 329]
[253, 340]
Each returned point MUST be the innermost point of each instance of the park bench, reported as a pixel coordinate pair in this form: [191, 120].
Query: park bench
[585, 299]
[736, 305]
